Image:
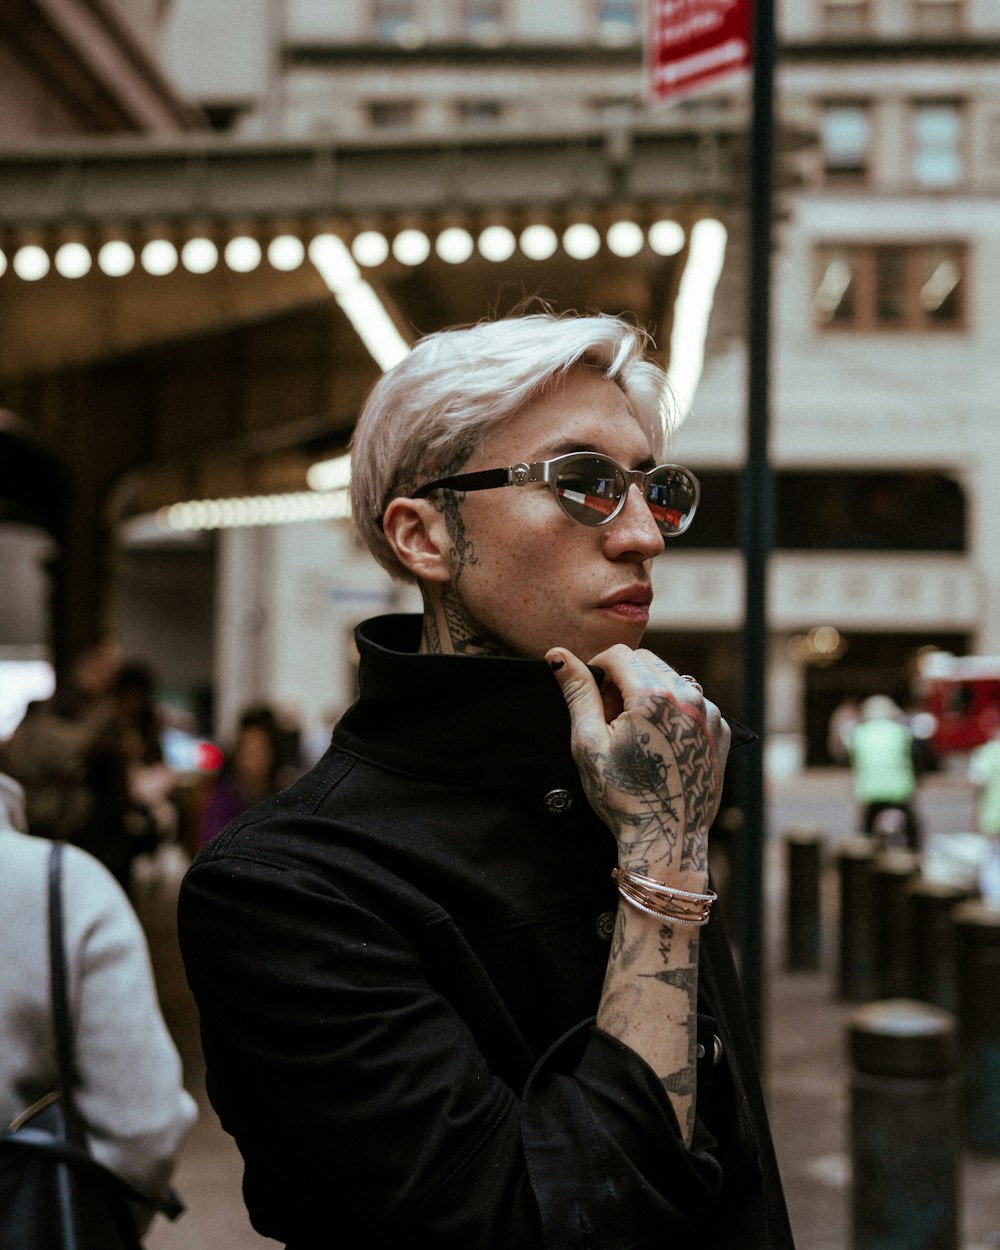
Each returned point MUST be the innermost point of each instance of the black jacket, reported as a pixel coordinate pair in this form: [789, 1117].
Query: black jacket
[397, 963]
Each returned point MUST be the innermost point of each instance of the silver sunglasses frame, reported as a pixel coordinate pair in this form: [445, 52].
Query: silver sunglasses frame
[546, 471]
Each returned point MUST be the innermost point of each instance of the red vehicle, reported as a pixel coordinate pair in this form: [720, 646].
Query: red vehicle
[962, 693]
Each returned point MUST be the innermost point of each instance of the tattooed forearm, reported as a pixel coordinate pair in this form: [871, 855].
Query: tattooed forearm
[618, 938]
[682, 1080]
[667, 959]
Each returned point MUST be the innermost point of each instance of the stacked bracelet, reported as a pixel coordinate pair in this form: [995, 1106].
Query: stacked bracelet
[666, 901]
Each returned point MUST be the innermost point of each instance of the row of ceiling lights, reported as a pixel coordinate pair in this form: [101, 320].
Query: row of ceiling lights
[370, 249]
[329, 479]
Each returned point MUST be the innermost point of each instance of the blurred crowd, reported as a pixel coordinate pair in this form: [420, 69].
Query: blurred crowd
[94, 771]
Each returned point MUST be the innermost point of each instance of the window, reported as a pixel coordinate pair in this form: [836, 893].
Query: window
[841, 510]
[915, 510]
[392, 17]
[937, 144]
[845, 135]
[618, 19]
[483, 16]
[844, 17]
[618, 11]
[391, 114]
[479, 112]
[890, 286]
[938, 17]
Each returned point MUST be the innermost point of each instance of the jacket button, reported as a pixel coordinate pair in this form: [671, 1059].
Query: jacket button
[605, 925]
[717, 1050]
[558, 801]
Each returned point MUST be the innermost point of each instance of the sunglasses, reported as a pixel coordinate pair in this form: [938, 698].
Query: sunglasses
[592, 489]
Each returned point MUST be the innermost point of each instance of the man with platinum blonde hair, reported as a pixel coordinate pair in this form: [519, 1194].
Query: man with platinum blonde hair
[438, 403]
[462, 985]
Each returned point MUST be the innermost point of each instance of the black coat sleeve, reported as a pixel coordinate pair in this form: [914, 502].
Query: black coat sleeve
[361, 1101]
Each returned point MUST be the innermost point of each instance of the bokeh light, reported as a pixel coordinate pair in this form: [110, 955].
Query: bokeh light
[73, 260]
[581, 241]
[370, 248]
[116, 258]
[31, 262]
[538, 242]
[199, 255]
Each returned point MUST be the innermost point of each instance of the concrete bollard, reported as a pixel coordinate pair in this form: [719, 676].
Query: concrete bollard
[855, 962]
[977, 940]
[932, 941]
[904, 1128]
[893, 930]
[803, 913]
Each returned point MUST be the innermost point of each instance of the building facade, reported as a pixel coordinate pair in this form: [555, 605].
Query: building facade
[885, 356]
[885, 373]
[887, 359]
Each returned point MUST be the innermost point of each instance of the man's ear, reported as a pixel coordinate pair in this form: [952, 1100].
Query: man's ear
[418, 534]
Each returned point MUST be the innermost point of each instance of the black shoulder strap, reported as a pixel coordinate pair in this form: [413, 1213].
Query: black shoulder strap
[75, 1148]
[60, 997]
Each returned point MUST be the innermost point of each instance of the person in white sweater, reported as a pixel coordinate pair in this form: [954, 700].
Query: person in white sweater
[130, 1093]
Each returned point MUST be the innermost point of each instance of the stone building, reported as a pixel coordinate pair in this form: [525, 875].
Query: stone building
[509, 146]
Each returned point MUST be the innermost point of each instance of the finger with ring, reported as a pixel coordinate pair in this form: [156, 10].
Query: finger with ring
[691, 681]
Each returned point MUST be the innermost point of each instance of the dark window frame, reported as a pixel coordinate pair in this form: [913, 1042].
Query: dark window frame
[870, 265]
[832, 15]
[846, 511]
[391, 114]
[927, 17]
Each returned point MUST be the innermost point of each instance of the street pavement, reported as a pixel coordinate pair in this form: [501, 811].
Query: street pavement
[805, 1071]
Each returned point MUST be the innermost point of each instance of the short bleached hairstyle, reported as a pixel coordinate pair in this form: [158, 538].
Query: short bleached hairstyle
[427, 416]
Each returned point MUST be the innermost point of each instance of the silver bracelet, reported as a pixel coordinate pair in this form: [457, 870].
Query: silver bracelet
[664, 901]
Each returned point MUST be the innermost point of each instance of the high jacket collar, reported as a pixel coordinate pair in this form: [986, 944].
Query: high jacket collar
[491, 720]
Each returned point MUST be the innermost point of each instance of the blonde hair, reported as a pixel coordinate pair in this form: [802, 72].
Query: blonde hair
[426, 416]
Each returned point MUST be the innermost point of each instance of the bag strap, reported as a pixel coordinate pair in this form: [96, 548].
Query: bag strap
[170, 1205]
[60, 998]
[43, 1142]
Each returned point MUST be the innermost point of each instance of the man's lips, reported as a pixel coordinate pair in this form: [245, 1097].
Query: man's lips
[632, 601]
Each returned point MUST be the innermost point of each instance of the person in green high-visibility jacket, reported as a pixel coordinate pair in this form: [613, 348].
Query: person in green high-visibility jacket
[984, 773]
[885, 780]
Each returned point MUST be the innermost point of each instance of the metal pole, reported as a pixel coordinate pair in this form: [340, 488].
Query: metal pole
[855, 958]
[756, 518]
[904, 1127]
[892, 933]
[803, 898]
[977, 931]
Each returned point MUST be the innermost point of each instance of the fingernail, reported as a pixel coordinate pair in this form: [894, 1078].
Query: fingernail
[556, 665]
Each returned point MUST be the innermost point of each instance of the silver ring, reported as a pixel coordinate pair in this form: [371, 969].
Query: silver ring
[691, 681]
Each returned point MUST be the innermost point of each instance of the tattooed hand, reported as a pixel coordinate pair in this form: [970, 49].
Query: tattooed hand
[651, 751]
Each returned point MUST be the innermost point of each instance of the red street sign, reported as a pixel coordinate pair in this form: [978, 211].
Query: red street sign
[693, 42]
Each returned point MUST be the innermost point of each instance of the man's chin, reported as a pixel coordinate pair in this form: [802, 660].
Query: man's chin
[614, 633]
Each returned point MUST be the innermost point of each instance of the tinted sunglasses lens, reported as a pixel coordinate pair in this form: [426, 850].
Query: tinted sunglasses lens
[589, 489]
[672, 497]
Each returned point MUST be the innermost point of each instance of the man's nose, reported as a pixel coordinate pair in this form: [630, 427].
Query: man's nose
[634, 529]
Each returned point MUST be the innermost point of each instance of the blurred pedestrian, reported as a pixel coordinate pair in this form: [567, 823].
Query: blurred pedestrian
[67, 754]
[129, 1092]
[984, 773]
[253, 770]
[843, 722]
[152, 816]
[885, 780]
